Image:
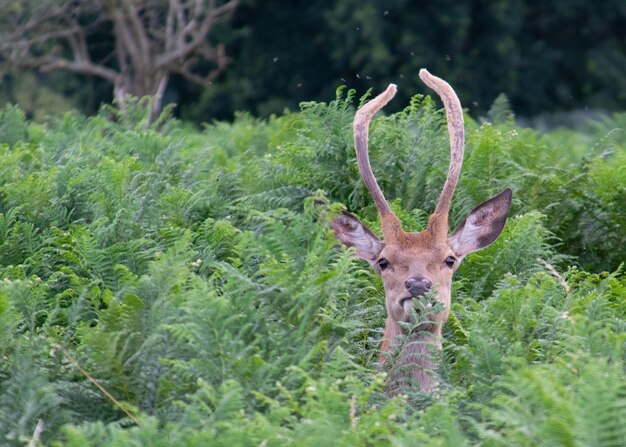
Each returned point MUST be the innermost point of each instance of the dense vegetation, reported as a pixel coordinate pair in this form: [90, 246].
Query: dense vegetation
[547, 56]
[165, 286]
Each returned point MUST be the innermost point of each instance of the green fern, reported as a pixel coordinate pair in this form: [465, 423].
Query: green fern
[191, 275]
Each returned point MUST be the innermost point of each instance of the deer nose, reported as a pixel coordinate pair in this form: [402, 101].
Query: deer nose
[417, 286]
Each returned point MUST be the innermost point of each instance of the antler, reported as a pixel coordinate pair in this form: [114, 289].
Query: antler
[438, 221]
[390, 223]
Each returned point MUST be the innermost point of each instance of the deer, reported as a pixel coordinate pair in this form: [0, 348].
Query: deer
[415, 265]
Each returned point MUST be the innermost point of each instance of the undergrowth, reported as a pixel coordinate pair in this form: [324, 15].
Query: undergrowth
[167, 286]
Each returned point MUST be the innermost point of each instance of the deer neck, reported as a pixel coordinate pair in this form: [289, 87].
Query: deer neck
[412, 355]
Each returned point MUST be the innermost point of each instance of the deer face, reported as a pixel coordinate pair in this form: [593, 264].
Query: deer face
[412, 269]
[412, 264]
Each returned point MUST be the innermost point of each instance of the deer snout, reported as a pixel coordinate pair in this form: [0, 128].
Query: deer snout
[417, 286]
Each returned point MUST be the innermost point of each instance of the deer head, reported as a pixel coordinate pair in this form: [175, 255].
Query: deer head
[412, 264]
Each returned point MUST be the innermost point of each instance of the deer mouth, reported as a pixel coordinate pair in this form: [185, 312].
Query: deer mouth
[407, 303]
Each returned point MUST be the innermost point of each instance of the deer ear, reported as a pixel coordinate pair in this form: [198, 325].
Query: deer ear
[352, 233]
[482, 226]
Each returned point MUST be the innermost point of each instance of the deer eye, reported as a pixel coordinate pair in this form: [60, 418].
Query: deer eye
[450, 260]
[383, 263]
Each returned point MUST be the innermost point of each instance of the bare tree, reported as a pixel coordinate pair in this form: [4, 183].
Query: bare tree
[153, 39]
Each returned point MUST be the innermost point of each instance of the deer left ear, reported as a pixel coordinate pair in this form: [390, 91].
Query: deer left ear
[482, 226]
[351, 231]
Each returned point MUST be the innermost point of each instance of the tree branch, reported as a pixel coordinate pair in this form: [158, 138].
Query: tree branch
[169, 59]
[186, 70]
[46, 64]
[138, 31]
[125, 39]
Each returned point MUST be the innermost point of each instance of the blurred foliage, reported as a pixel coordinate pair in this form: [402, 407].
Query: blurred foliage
[548, 57]
[189, 274]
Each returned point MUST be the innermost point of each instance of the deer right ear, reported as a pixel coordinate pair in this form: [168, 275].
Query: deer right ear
[352, 233]
[482, 226]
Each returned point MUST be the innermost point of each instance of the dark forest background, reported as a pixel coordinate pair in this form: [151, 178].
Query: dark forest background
[546, 56]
